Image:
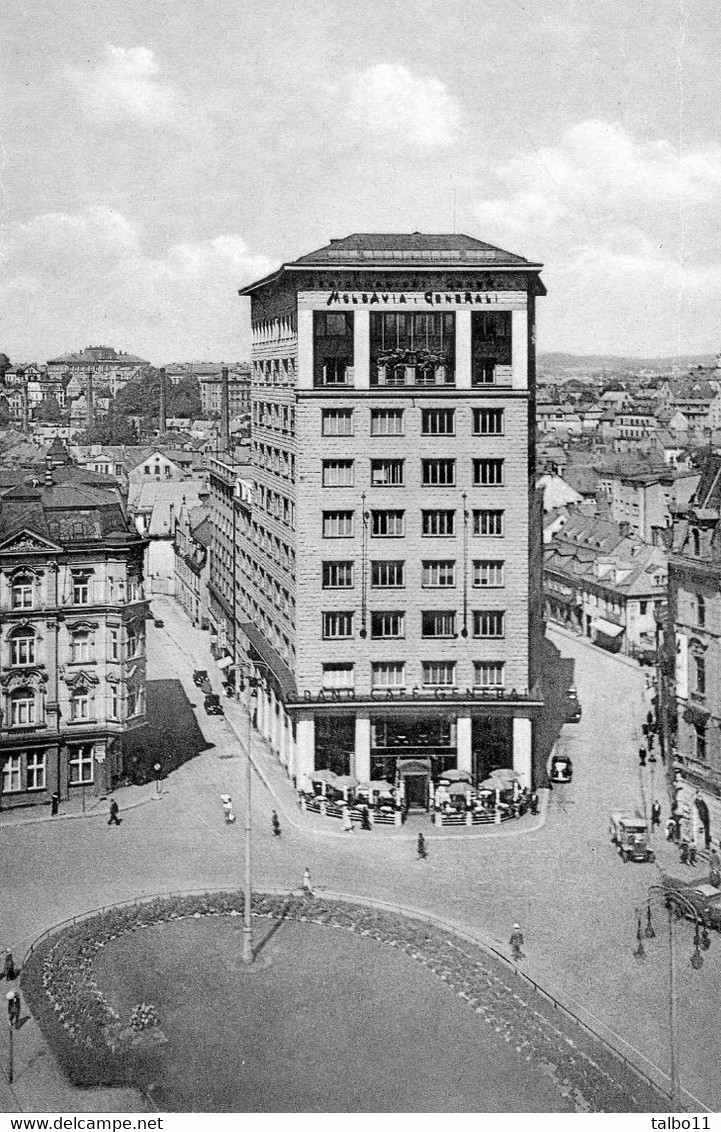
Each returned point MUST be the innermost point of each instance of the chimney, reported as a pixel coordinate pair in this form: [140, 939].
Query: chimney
[162, 415]
[24, 408]
[48, 471]
[90, 408]
[224, 410]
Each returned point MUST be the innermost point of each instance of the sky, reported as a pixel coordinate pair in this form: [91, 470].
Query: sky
[156, 155]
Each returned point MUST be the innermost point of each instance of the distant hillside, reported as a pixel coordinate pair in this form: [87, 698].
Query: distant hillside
[556, 364]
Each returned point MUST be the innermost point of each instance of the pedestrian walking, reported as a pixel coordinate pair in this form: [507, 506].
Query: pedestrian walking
[307, 887]
[114, 811]
[656, 814]
[421, 845]
[13, 1001]
[715, 866]
[366, 819]
[346, 821]
[228, 810]
[9, 968]
[54, 803]
[670, 829]
[517, 942]
[683, 851]
[642, 756]
[534, 803]
[649, 741]
[275, 821]
[692, 853]
[649, 718]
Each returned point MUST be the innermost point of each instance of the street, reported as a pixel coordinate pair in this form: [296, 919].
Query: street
[564, 883]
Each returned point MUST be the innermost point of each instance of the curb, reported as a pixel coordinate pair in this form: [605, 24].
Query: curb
[94, 812]
[554, 627]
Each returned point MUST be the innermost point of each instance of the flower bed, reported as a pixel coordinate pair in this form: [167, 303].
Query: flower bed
[95, 1046]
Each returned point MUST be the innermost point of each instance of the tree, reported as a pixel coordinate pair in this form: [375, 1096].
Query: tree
[4, 412]
[48, 409]
[184, 398]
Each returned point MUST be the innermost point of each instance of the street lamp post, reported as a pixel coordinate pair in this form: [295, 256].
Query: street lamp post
[157, 768]
[247, 953]
[677, 906]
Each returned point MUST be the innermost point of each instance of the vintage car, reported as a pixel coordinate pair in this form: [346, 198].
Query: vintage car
[158, 623]
[199, 675]
[629, 832]
[573, 707]
[704, 897]
[561, 769]
[212, 704]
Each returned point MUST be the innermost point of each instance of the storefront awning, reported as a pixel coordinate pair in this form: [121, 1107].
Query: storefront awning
[267, 654]
[225, 661]
[608, 628]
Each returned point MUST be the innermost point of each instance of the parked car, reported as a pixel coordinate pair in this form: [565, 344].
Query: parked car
[704, 897]
[561, 769]
[206, 687]
[199, 675]
[573, 707]
[629, 832]
[212, 704]
[158, 623]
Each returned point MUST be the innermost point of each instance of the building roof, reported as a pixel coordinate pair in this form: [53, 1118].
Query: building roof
[630, 566]
[91, 355]
[388, 250]
[66, 510]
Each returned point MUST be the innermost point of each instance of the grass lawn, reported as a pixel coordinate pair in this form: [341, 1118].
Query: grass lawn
[326, 1021]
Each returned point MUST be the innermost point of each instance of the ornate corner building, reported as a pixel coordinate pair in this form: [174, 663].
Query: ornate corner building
[72, 636]
[694, 647]
[389, 566]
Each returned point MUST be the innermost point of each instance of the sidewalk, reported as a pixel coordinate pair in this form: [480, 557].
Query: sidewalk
[127, 797]
[554, 627]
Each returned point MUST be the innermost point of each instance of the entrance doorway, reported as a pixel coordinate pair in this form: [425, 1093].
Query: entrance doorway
[705, 820]
[416, 791]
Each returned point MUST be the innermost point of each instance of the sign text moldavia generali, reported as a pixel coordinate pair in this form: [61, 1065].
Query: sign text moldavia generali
[425, 300]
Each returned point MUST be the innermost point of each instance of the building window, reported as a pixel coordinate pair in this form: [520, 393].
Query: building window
[22, 593]
[337, 524]
[387, 524]
[337, 575]
[135, 642]
[488, 422]
[488, 674]
[136, 700]
[438, 473]
[700, 668]
[488, 473]
[387, 422]
[12, 781]
[80, 765]
[337, 422]
[438, 524]
[438, 422]
[441, 574]
[386, 624]
[387, 473]
[114, 708]
[81, 589]
[22, 707]
[337, 624]
[337, 473]
[488, 623]
[80, 704]
[490, 345]
[387, 575]
[114, 633]
[332, 347]
[642, 608]
[22, 648]
[488, 572]
[388, 674]
[700, 610]
[700, 733]
[338, 676]
[488, 524]
[412, 348]
[438, 623]
[439, 673]
[80, 646]
[36, 770]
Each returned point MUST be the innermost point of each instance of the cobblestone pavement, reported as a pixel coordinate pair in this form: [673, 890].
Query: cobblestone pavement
[563, 881]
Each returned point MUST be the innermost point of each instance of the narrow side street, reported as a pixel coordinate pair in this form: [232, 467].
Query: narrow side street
[564, 883]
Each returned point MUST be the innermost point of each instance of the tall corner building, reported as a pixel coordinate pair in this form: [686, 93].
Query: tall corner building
[389, 569]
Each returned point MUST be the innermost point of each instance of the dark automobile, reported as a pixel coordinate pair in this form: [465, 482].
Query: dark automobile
[561, 769]
[199, 675]
[702, 895]
[158, 623]
[573, 707]
[213, 705]
[206, 687]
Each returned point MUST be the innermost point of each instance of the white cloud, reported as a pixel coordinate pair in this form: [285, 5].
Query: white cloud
[124, 86]
[626, 231]
[390, 103]
[87, 277]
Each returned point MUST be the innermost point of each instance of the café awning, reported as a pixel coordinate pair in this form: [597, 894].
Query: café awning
[608, 628]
